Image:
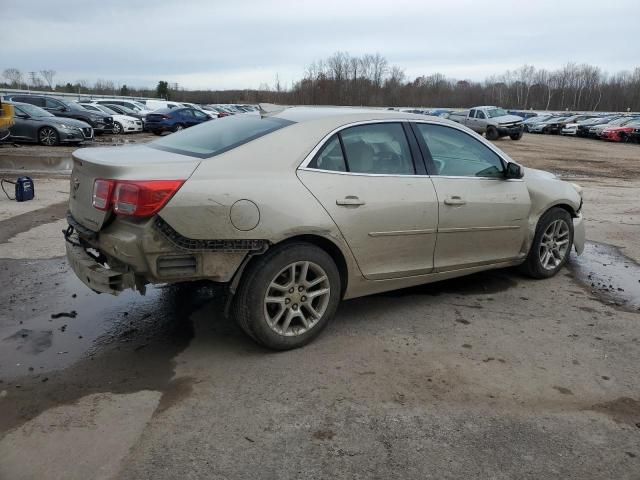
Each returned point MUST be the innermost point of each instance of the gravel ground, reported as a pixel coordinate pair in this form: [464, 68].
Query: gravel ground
[489, 376]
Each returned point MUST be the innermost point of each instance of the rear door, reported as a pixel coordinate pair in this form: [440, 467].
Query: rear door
[483, 218]
[386, 208]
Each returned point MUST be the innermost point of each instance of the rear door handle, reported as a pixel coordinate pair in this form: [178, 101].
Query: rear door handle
[350, 201]
[455, 200]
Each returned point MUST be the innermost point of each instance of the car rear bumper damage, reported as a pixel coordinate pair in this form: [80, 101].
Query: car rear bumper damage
[127, 255]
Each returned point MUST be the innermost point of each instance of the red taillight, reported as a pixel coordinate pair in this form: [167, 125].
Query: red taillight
[102, 190]
[142, 198]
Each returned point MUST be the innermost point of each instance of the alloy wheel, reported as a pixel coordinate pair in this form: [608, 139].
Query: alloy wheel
[48, 136]
[297, 298]
[554, 244]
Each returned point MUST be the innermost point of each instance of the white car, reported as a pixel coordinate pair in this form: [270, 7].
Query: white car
[138, 107]
[153, 105]
[121, 123]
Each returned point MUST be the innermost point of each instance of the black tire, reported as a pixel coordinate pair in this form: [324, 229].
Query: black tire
[157, 132]
[492, 133]
[545, 130]
[117, 128]
[249, 307]
[516, 136]
[48, 136]
[178, 127]
[533, 266]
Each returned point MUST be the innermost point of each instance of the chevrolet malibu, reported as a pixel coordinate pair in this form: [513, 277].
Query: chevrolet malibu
[299, 208]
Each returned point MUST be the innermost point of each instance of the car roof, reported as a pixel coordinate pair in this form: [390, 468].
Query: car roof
[342, 115]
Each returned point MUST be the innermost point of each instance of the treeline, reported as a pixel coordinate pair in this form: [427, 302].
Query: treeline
[370, 80]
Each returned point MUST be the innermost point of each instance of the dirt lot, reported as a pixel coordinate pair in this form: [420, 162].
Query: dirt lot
[491, 376]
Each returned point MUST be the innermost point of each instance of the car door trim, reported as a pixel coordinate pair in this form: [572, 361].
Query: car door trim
[397, 233]
[478, 229]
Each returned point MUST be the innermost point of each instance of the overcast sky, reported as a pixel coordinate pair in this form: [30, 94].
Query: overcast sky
[241, 44]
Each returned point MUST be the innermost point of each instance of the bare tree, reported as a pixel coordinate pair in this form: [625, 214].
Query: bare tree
[14, 77]
[48, 77]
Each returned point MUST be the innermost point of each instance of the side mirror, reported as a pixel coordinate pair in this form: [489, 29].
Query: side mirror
[513, 170]
[62, 109]
[22, 115]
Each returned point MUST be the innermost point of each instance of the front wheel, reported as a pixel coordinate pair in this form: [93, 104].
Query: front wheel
[48, 136]
[492, 133]
[551, 244]
[117, 128]
[288, 296]
[178, 127]
[516, 136]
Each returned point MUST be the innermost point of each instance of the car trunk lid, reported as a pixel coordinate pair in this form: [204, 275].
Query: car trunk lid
[119, 163]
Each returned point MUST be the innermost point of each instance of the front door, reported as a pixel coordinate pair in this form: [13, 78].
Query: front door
[483, 217]
[366, 180]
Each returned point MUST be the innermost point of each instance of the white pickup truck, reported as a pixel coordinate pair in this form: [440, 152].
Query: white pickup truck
[494, 122]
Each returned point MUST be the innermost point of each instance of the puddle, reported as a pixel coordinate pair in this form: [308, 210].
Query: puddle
[37, 343]
[610, 275]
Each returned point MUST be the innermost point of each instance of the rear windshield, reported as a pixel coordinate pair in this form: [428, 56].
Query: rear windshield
[218, 136]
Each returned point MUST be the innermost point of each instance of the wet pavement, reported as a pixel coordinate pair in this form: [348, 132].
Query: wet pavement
[608, 274]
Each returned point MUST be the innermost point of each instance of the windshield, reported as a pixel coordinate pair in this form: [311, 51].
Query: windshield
[107, 110]
[213, 138]
[33, 111]
[496, 112]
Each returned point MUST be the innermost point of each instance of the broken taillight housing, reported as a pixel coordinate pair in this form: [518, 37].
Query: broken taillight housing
[102, 191]
[140, 198]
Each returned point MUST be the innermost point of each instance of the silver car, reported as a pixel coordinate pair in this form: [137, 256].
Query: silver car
[300, 208]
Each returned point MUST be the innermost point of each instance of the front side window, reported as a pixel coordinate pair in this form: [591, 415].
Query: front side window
[480, 114]
[456, 153]
[199, 115]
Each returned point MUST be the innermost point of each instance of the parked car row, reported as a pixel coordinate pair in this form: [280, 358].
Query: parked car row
[611, 127]
[52, 121]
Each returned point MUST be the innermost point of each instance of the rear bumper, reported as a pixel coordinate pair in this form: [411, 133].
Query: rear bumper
[134, 254]
[96, 276]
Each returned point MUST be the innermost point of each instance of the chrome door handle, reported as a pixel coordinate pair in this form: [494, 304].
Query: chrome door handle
[455, 201]
[350, 201]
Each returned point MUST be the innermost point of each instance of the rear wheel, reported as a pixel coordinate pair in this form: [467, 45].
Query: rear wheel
[288, 296]
[492, 133]
[48, 136]
[551, 244]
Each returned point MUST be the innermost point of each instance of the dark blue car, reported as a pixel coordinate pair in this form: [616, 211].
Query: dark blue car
[173, 119]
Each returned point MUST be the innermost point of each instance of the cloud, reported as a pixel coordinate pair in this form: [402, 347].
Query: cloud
[216, 44]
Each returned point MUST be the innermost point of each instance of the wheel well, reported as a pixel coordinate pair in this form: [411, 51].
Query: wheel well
[563, 206]
[331, 248]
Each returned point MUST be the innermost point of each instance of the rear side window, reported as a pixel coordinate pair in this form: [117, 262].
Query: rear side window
[377, 148]
[330, 157]
[213, 138]
[37, 101]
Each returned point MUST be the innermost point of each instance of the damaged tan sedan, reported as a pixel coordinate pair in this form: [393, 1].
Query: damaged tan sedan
[300, 208]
